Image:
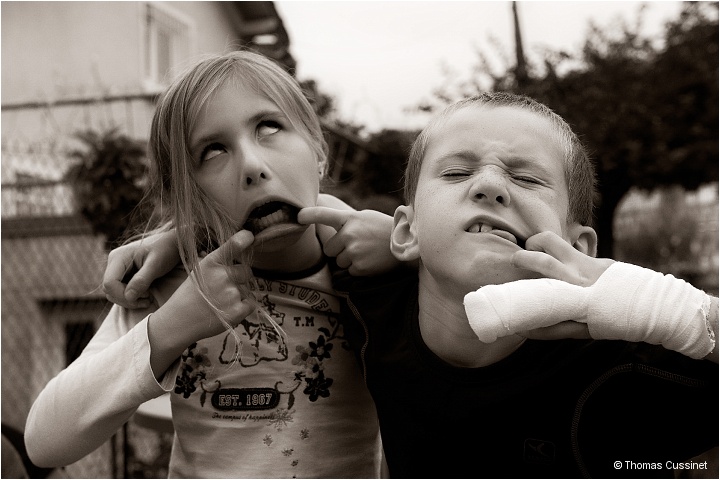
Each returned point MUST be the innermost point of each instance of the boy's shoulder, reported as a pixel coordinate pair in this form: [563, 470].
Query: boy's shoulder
[400, 282]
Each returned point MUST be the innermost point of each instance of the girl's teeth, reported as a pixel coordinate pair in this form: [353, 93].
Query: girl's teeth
[278, 216]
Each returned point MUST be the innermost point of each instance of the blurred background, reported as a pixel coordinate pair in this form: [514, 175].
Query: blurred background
[638, 82]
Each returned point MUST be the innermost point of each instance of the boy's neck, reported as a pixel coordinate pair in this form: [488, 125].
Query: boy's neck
[446, 331]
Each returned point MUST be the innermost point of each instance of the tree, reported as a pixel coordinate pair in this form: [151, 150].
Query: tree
[107, 180]
[648, 114]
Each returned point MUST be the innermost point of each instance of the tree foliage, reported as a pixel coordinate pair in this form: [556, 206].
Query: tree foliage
[648, 113]
[107, 180]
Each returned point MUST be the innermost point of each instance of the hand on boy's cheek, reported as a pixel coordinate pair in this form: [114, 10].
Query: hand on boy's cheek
[551, 256]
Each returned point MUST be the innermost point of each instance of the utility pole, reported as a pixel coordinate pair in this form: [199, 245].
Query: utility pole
[521, 76]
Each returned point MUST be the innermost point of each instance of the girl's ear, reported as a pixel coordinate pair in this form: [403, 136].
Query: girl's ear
[585, 239]
[403, 241]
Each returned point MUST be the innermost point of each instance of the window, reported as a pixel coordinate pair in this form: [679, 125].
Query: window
[80, 318]
[167, 42]
[77, 337]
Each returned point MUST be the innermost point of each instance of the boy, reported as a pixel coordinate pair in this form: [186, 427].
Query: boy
[482, 181]
[493, 175]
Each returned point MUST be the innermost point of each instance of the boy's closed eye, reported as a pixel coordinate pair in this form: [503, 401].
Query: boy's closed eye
[527, 179]
[455, 174]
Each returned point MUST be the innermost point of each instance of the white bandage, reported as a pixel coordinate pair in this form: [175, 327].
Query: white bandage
[627, 302]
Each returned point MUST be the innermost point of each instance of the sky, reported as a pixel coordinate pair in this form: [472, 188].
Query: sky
[378, 59]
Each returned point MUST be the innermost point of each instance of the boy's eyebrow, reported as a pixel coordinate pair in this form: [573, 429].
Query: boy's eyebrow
[467, 155]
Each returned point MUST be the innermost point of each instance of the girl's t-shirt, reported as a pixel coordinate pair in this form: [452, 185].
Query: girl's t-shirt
[290, 406]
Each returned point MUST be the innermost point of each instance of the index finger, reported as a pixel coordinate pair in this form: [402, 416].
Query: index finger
[235, 247]
[325, 216]
[552, 244]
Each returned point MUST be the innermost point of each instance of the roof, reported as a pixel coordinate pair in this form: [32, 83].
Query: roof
[261, 28]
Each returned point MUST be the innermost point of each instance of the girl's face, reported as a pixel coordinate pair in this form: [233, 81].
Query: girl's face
[255, 164]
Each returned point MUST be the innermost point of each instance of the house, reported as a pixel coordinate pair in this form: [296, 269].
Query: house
[68, 67]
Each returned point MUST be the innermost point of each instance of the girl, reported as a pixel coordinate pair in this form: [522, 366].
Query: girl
[263, 383]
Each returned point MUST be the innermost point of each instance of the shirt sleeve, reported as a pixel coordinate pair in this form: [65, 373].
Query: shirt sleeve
[85, 404]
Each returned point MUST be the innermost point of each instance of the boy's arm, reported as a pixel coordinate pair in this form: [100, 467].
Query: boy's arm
[132, 268]
[144, 261]
[361, 239]
[612, 300]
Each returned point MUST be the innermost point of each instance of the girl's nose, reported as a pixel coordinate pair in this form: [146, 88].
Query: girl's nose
[254, 167]
[255, 178]
[490, 185]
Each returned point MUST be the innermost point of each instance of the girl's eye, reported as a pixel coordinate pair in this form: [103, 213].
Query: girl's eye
[268, 127]
[212, 151]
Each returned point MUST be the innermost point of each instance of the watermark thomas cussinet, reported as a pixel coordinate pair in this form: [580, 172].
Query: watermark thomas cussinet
[670, 465]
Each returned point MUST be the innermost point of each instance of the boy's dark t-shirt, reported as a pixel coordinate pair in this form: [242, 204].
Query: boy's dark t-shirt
[552, 409]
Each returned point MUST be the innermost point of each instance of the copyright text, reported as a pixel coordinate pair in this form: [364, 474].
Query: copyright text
[670, 465]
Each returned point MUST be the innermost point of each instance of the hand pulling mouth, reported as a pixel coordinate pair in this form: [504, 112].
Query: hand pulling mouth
[487, 228]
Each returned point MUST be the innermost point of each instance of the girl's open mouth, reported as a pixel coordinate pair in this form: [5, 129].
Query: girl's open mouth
[270, 214]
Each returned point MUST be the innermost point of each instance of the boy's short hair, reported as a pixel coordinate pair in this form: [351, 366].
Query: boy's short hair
[579, 169]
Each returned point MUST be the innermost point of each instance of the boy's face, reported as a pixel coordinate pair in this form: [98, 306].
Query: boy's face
[491, 177]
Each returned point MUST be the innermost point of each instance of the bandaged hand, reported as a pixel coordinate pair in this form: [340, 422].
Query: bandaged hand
[626, 302]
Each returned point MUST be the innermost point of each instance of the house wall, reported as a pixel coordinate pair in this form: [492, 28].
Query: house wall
[62, 49]
[57, 50]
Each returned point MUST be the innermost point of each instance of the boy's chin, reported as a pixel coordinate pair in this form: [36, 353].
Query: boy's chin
[496, 275]
[278, 237]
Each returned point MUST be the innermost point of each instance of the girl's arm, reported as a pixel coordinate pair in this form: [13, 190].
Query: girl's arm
[359, 240]
[129, 360]
[87, 402]
[582, 296]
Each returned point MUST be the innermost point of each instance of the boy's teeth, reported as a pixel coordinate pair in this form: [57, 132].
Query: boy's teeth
[480, 228]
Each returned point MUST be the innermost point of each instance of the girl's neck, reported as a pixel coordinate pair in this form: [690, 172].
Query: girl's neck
[302, 255]
[446, 330]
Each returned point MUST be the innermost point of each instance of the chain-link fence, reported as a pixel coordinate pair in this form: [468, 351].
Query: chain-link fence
[52, 266]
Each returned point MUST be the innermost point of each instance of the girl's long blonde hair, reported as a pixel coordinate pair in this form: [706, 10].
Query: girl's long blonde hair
[201, 225]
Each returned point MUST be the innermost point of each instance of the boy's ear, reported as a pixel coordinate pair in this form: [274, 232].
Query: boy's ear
[403, 240]
[585, 239]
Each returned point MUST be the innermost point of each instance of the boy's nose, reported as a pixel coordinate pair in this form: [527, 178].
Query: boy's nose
[491, 186]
